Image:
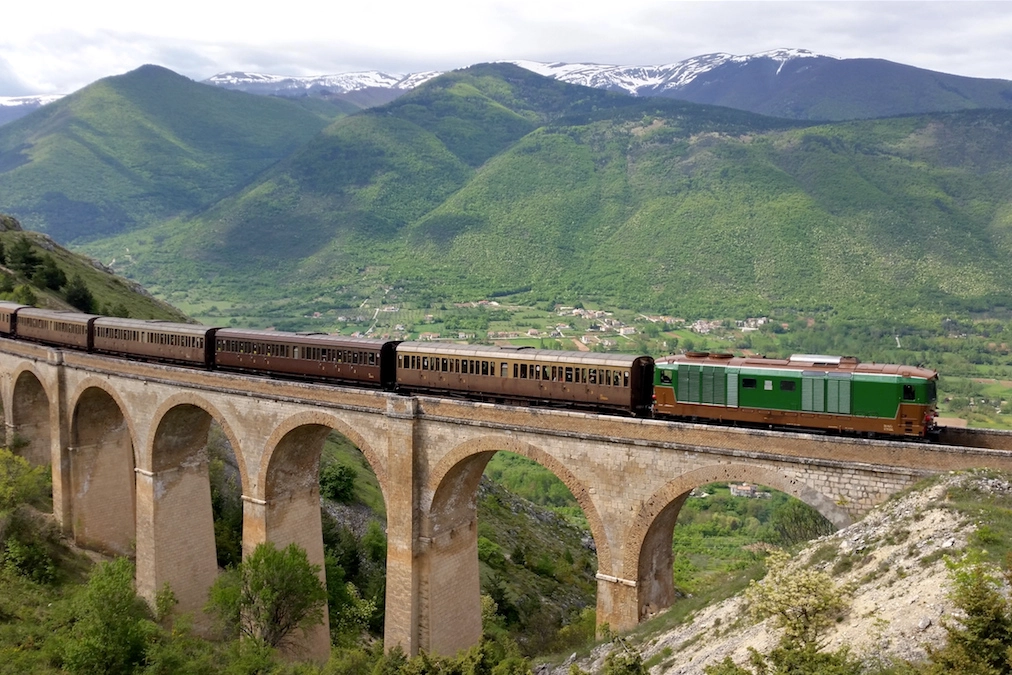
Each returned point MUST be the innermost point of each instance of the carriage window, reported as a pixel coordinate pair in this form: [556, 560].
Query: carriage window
[625, 379]
[425, 363]
[786, 385]
[523, 370]
[445, 367]
[749, 383]
[908, 392]
[504, 370]
[484, 367]
[593, 375]
[569, 374]
[544, 372]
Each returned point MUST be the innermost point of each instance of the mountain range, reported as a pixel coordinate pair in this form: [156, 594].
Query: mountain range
[495, 180]
[792, 83]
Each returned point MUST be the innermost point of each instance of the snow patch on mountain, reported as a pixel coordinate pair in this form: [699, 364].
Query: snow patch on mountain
[340, 83]
[636, 80]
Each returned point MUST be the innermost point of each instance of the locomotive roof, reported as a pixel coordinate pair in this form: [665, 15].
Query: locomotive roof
[521, 353]
[302, 338]
[801, 362]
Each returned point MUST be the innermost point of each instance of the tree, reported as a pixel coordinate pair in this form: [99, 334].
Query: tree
[79, 296]
[269, 595]
[23, 295]
[113, 625]
[981, 641]
[20, 482]
[22, 257]
[803, 602]
[49, 274]
[337, 482]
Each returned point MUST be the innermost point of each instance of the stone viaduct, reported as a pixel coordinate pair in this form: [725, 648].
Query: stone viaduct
[126, 441]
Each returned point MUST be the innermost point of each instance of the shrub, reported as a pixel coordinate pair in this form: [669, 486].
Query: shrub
[337, 483]
[113, 625]
[269, 595]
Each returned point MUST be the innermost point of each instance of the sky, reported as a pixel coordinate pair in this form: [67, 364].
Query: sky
[59, 46]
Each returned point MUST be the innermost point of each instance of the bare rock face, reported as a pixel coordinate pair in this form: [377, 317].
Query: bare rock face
[894, 563]
[9, 224]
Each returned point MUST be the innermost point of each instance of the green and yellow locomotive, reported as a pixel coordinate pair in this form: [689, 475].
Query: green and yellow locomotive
[819, 392]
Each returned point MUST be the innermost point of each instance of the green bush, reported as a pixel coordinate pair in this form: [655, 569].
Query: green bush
[269, 595]
[113, 626]
[337, 483]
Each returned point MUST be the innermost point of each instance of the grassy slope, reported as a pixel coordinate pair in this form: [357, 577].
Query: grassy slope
[107, 288]
[137, 148]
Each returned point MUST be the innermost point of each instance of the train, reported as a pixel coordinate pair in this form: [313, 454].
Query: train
[811, 392]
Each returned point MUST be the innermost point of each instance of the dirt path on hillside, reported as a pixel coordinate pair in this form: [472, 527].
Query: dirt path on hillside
[580, 346]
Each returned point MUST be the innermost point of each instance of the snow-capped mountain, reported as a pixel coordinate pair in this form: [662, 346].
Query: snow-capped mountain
[657, 80]
[341, 83]
[13, 107]
[635, 80]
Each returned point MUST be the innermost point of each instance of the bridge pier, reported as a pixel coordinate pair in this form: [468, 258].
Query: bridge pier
[175, 538]
[175, 525]
[291, 514]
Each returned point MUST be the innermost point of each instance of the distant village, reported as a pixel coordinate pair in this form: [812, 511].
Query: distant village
[602, 329]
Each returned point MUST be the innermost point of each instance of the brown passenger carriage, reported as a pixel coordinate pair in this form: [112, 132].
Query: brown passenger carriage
[308, 355]
[155, 340]
[589, 381]
[56, 327]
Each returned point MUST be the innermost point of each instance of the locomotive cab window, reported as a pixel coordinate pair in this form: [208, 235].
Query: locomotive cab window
[908, 393]
[786, 385]
[749, 383]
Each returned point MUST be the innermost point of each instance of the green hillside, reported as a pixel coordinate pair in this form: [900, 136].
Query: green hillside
[135, 149]
[35, 270]
[493, 180]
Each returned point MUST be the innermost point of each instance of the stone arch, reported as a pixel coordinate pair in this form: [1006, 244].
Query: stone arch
[188, 400]
[97, 383]
[31, 416]
[486, 446]
[451, 617]
[100, 456]
[318, 419]
[175, 522]
[648, 556]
